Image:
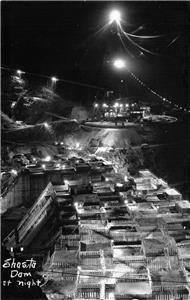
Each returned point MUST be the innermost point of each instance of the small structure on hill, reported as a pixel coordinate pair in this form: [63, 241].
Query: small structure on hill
[79, 113]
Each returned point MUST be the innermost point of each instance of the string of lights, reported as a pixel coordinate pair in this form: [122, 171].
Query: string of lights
[127, 50]
[155, 93]
[165, 100]
[139, 81]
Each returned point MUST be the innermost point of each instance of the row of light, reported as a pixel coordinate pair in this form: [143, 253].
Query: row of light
[19, 73]
[121, 64]
[158, 95]
[104, 105]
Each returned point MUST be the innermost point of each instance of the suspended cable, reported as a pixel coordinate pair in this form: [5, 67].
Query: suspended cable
[135, 44]
[138, 29]
[125, 48]
[173, 41]
[140, 47]
[145, 36]
[136, 78]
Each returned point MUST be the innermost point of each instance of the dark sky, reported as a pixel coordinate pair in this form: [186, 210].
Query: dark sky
[58, 38]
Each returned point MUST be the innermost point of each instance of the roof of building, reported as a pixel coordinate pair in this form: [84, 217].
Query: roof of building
[148, 221]
[146, 173]
[62, 257]
[127, 251]
[184, 204]
[133, 288]
[171, 192]
[171, 279]
[60, 188]
[152, 198]
[86, 198]
[145, 186]
[152, 245]
[184, 249]
[95, 277]
[145, 205]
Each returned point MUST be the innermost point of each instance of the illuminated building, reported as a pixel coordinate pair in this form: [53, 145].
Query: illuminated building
[123, 107]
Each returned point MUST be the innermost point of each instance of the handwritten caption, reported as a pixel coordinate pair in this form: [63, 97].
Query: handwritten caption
[20, 273]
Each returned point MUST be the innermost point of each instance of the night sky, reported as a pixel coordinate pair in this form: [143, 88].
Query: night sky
[59, 38]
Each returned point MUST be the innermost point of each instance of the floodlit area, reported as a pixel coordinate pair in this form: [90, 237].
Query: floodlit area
[108, 232]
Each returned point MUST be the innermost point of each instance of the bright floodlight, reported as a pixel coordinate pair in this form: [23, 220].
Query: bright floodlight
[46, 125]
[76, 205]
[119, 63]
[19, 72]
[66, 182]
[115, 16]
[47, 158]
[14, 172]
[54, 79]
[13, 104]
